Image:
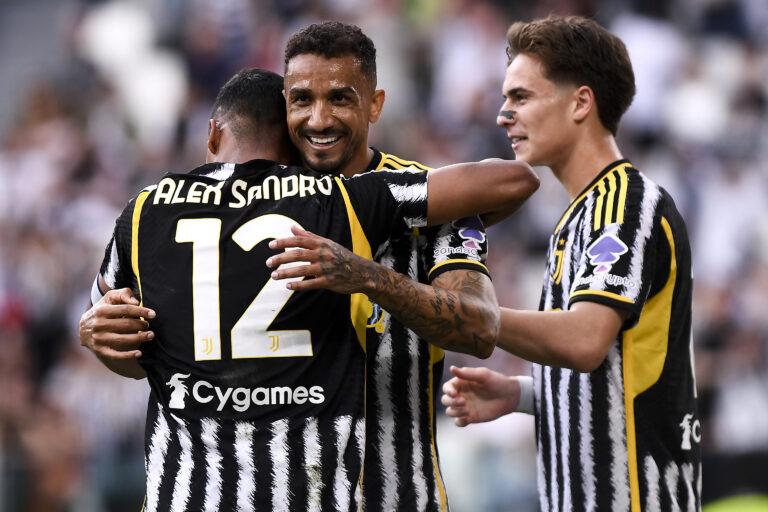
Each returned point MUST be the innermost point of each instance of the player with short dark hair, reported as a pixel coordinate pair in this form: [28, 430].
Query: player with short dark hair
[613, 387]
[432, 290]
[257, 392]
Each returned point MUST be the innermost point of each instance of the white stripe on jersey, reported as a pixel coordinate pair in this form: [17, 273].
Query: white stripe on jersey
[552, 453]
[652, 498]
[617, 431]
[213, 465]
[341, 485]
[651, 199]
[246, 471]
[223, 172]
[360, 438]
[158, 446]
[183, 484]
[586, 442]
[110, 276]
[565, 447]
[671, 479]
[385, 410]
[688, 480]
[278, 452]
[313, 465]
[411, 194]
[414, 390]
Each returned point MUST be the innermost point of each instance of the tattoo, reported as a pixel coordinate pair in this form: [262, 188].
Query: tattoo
[458, 312]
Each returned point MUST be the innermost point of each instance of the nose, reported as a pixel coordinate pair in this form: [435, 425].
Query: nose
[320, 118]
[506, 117]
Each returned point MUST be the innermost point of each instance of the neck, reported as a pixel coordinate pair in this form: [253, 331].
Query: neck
[584, 162]
[358, 164]
[238, 154]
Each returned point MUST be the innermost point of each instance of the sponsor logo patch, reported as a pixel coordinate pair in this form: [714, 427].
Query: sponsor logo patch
[605, 251]
[471, 232]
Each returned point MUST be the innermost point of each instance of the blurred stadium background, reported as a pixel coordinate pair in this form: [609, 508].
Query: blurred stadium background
[99, 98]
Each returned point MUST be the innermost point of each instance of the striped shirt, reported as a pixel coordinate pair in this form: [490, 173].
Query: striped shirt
[403, 371]
[257, 393]
[625, 436]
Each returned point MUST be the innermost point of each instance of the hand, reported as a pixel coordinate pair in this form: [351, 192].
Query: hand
[333, 267]
[476, 395]
[111, 328]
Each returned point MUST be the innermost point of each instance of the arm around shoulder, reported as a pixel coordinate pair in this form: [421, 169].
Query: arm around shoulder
[495, 188]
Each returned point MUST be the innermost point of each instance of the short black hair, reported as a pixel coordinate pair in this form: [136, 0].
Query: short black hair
[333, 39]
[252, 103]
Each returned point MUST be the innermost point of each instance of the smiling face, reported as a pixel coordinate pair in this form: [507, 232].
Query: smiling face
[330, 104]
[541, 128]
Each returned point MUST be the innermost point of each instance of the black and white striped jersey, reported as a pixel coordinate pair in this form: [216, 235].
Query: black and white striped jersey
[625, 436]
[257, 392]
[403, 371]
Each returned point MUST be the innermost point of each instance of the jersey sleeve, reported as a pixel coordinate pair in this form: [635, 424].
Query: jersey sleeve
[457, 245]
[621, 251]
[388, 202]
[116, 266]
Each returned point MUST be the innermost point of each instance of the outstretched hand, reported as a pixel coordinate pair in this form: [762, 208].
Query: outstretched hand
[476, 395]
[115, 326]
[332, 266]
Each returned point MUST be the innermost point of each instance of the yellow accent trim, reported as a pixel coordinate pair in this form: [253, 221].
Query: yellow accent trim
[579, 199]
[135, 239]
[559, 255]
[448, 262]
[644, 353]
[360, 307]
[603, 293]
[435, 354]
[622, 195]
[400, 163]
[598, 214]
[610, 198]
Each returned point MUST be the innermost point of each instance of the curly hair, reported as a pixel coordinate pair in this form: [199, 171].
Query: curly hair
[332, 39]
[576, 50]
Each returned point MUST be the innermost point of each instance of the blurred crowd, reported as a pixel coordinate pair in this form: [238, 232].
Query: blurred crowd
[100, 98]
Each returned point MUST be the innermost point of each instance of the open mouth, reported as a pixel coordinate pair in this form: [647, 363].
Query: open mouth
[323, 141]
[516, 141]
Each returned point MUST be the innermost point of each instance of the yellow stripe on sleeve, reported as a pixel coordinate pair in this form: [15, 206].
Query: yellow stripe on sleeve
[622, 173]
[448, 262]
[610, 198]
[603, 293]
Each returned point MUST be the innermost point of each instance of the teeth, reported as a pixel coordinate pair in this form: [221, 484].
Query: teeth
[323, 140]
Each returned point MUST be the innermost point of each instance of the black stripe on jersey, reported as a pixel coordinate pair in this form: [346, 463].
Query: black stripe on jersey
[457, 264]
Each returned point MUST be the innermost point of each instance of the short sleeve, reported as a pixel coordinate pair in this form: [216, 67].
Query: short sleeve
[458, 245]
[387, 202]
[618, 261]
[116, 265]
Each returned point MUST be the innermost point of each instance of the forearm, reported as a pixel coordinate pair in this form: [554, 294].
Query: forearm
[124, 367]
[578, 339]
[459, 312]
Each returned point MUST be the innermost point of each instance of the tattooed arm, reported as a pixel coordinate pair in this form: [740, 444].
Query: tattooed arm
[457, 312]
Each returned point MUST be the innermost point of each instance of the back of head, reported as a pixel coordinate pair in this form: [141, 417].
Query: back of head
[332, 39]
[577, 51]
[252, 104]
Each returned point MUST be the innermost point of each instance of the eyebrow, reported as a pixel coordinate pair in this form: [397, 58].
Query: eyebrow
[517, 90]
[339, 90]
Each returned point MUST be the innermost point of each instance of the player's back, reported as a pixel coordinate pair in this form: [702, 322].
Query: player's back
[257, 391]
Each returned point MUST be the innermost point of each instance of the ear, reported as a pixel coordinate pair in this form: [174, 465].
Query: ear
[214, 136]
[377, 103]
[584, 103]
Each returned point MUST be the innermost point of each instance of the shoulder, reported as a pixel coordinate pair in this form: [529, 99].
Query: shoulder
[392, 162]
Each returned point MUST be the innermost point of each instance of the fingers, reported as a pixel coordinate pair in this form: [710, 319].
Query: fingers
[302, 242]
[122, 310]
[117, 355]
[120, 296]
[470, 374]
[292, 256]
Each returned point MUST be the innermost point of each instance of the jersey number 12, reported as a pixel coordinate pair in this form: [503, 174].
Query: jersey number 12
[250, 337]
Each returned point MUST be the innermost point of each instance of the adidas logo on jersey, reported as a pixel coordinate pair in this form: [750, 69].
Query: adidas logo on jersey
[240, 399]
